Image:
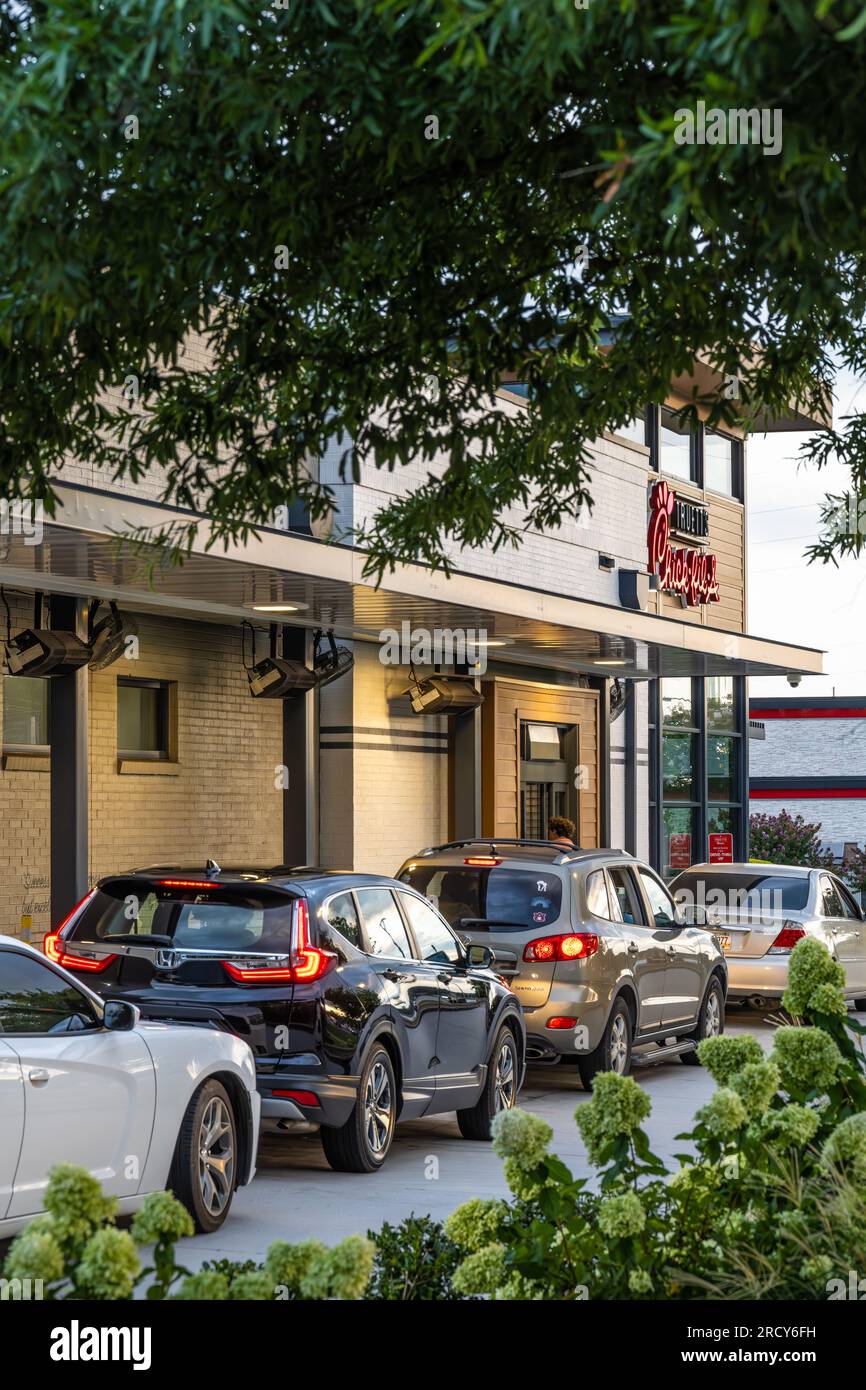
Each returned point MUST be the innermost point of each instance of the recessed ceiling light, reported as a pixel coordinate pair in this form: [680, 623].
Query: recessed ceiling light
[277, 607]
[608, 661]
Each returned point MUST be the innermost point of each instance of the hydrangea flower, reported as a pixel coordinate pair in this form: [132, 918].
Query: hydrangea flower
[521, 1136]
[793, 1127]
[827, 999]
[846, 1146]
[288, 1264]
[207, 1286]
[724, 1114]
[520, 1290]
[621, 1216]
[342, 1272]
[484, 1271]
[640, 1282]
[476, 1223]
[524, 1182]
[34, 1254]
[256, 1286]
[812, 968]
[756, 1084]
[807, 1058]
[161, 1217]
[618, 1107]
[109, 1265]
[73, 1198]
[725, 1055]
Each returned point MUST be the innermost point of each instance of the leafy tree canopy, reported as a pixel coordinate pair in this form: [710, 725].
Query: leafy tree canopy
[375, 207]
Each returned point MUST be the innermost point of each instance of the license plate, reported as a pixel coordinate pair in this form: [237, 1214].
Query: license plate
[724, 941]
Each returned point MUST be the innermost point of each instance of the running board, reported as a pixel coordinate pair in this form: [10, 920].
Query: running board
[663, 1054]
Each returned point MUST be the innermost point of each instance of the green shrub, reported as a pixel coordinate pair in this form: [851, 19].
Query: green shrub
[414, 1261]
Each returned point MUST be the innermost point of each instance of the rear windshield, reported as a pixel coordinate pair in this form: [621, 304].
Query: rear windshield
[509, 897]
[204, 919]
[752, 892]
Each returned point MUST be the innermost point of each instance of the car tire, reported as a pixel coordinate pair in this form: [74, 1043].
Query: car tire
[362, 1144]
[711, 1022]
[500, 1089]
[860, 1005]
[204, 1169]
[614, 1051]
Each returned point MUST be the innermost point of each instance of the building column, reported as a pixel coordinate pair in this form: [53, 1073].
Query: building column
[301, 759]
[465, 775]
[630, 716]
[68, 737]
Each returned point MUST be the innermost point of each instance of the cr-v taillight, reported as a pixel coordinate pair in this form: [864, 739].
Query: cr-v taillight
[787, 938]
[56, 949]
[575, 946]
[304, 965]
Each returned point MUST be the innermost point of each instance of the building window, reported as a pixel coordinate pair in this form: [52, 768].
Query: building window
[25, 713]
[635, 430]
[548, 764]
[696, 771]
[722, 464]
[677, 446]
[143, 718]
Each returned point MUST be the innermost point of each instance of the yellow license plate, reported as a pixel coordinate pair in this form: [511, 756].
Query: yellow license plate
[724, 941]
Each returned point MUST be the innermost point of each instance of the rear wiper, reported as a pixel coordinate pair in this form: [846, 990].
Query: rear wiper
[490, 922]
[133, 939]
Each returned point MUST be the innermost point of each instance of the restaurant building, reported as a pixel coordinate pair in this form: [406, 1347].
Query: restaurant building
[613, 672]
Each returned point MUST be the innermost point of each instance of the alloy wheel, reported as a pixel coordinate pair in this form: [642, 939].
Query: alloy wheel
[504, 1079]
[216, 1156]
[378, 1116]
[712, 1016]
[619, 1044]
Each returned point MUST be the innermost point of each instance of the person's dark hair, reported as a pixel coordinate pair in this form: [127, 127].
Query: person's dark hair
[561, 828]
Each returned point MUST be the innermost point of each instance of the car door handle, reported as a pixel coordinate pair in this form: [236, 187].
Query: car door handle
[39, 1077]
[671, 950]
[633, 947]
[397, 975]
[444, 977]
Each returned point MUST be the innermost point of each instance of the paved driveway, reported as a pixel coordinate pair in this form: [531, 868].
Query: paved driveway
[431, 1168]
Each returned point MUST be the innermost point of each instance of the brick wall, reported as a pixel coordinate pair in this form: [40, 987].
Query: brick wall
[219, 800]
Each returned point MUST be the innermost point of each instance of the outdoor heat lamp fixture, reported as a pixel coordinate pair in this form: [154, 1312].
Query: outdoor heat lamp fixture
[46, 652]
[277, 676]
[444, 695]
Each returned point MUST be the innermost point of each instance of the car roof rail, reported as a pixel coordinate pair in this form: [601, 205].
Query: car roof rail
[493, 843]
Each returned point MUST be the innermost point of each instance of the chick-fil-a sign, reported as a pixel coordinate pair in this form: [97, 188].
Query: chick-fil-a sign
[692, 573]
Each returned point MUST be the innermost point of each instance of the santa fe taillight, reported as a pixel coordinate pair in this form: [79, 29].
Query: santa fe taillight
[787, 938]
[304, 965]
[57, 951]
[575, 946]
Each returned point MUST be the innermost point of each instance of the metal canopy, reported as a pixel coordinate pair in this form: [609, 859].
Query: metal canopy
[83, 554]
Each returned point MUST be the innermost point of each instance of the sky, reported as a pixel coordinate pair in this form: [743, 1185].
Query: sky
[811, 605]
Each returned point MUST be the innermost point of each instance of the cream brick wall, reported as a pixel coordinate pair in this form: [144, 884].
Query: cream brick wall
[379, 803]
[220, 799]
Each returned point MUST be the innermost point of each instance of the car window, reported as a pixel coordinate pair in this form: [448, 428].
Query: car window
[743, 891]
[34, 999]
[661, 903]
[386, 933]
[831, 903]
[342, 915]
[187, 914]
[849, 906]
[596, 895]
[625, 892]
[516, 898]
[434, 940]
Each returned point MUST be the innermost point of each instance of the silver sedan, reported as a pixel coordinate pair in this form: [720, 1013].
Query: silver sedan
[760, 911]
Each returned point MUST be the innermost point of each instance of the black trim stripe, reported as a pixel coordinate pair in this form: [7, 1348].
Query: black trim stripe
[382, 733]
[791, 779]
[383, 747]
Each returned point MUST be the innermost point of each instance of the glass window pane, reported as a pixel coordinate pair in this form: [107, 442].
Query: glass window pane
[140, 718]
[385, 929]
[25, 710]
[434, 940]
[721, 712]
[678, 839]
[719, 463]
[661, 903]
[33, 999]
[721, 768]
[596, 895]
[633, 429]
[678, 767]
[341, 915]
[675, 446]
[677, 702]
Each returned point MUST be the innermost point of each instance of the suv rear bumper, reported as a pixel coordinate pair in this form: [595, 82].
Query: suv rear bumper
[566, 1000]
[335, 1096]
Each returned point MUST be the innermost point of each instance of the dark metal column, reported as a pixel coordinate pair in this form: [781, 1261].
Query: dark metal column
[301, 758]
[68, 737]
[630, 717]
[604, 820]
[465, 753]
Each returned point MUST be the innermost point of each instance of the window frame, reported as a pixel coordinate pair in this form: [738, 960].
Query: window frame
[410, 892]
[365, 935]
[168, 720]
[10, 749]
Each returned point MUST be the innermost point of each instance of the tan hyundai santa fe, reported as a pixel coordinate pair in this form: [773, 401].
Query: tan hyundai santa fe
[607, 970]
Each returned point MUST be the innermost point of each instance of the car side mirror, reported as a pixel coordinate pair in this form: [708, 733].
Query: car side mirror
[481, 957]
[118, 1016]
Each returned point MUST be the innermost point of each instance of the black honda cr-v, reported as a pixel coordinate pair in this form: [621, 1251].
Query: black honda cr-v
[361, 1005]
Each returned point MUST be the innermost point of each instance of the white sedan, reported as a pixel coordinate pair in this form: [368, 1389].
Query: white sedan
[142, 1106]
